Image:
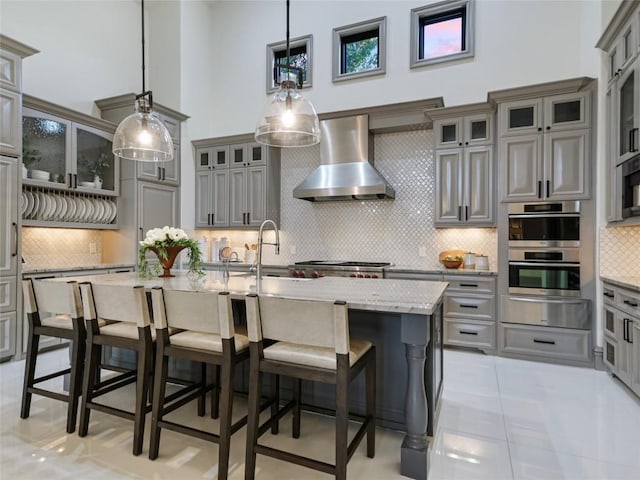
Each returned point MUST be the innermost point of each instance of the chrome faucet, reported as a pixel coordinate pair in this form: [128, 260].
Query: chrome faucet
[261, 242]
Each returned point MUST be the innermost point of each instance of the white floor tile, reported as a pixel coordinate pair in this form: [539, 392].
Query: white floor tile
[472, 413]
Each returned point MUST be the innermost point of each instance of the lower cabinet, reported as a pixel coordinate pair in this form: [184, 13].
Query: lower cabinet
[621, 328]
[7, 334]
[551, 343]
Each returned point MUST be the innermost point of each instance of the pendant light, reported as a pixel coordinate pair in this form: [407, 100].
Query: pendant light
[288, 120]
[142, 136]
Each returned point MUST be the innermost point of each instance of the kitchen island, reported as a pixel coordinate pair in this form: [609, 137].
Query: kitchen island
[406, 315]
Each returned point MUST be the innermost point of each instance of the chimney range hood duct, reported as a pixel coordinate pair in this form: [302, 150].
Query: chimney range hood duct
[346, 171]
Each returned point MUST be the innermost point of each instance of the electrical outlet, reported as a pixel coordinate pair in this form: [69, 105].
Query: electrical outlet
[422, 251]
[92, 248]
[293, 250]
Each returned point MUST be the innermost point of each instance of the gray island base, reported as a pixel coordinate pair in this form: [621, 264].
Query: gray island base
[402, 317]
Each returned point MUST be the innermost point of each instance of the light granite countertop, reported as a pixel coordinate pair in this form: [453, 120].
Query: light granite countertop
[28, 270]
[380, 295]
[630, 282]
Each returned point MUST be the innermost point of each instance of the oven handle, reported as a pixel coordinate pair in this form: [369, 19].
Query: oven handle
[545, 215]
[545, 300]
[544, 264]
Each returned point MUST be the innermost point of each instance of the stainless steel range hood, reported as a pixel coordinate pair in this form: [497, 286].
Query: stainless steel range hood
[346, 171]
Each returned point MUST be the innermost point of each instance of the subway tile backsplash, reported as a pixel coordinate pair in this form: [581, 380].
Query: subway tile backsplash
[373, 230]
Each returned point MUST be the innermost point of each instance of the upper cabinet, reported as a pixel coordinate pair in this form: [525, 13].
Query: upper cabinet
[62, 149]
[237, 183]
[464, 165]
[545, 141]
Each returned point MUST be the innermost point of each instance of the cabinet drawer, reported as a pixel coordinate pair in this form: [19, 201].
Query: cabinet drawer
[469, 333]
[629, 302]
[8, 294]
[560, 343]
[469, 307]
[470, 284]
[609, 294]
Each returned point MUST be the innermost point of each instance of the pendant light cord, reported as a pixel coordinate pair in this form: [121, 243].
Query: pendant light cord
[142, 18]
[288, 49]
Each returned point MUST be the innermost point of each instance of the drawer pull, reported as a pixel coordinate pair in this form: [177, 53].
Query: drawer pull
[629, 302]
[547, 342]
[474, 285]
[608, 295]
[466, 332]
[464, 305]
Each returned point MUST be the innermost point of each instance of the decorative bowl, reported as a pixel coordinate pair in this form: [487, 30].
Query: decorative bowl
[40, 175]
[451, 263]
[88, 184]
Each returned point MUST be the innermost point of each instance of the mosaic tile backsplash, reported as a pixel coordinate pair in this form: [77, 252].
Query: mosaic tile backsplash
[60, 247]
[620, 251]
[373, 230]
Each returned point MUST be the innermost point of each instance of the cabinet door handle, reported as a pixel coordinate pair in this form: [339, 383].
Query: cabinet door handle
[466, 332]
[624, 329]
[248, 218]
[548, 127]
[159, 173]
[213, 219]
[141, 234]
[632, 140]
[208, 219]
[466, 213]
[548, 187]
[459, 212]
[15, 239]
[70, 182]
[539, 194]
[630, 303]
[75, 181]
[466, 305]
[546, 342]
[244, 218]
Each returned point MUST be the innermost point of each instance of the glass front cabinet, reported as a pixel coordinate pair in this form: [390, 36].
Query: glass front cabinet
[60, 152]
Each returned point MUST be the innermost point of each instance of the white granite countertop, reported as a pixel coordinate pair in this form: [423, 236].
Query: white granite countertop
[26, 269]
[630, 282]
[380, 295]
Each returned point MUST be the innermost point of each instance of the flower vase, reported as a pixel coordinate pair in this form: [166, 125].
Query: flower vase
[167, 263]
[97, 181]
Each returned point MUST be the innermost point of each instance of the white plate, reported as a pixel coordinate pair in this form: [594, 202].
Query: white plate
[114, 210]
[23, 204]
[57, 203]
[81, 212]
[36, 206]
[89, 212]
[99, 210]
[51, 207]
[44, 206]
[107, 211]
[71, 211]
[65, 209]
[27, 213]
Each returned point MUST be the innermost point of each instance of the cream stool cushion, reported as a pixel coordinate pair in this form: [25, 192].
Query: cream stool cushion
[63, 321]
[207, 341]
[124, 329]
[321, 357]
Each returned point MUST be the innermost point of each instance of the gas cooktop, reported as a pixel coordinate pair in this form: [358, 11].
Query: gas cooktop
[338, 263]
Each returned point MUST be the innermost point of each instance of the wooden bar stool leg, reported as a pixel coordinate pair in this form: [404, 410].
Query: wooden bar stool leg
[159, 391]
[142, 389]
[203, 384]
[225, 419]
[29, 374]
[370, 380]
[297, 392]
[275, 396]
[77, 362]
[342, 417]
[91, 372]
[215, 393]
[255, 392]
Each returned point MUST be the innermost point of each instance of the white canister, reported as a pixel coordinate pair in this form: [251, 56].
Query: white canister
[469, 261]
[482, 262]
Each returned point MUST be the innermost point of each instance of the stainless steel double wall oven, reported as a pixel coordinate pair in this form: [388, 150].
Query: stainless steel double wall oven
[544, 265]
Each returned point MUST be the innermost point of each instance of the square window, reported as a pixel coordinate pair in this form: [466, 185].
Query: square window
[441, 32]
[359, 50]
[299, 56]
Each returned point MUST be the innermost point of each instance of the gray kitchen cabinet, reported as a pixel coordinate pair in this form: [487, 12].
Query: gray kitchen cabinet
[621, 329]
[9, 186]
[552, 166]
[548, 343]
[237, 183]
[212, 198]
[470, 312]
[158, 205]
[464, 165]
[464, 187]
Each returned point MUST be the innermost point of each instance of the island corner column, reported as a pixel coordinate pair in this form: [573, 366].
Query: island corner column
[414, 457]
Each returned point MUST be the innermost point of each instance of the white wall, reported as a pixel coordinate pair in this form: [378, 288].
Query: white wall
[517, 43]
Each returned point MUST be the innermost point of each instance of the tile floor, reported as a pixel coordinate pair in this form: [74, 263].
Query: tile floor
[500, 419]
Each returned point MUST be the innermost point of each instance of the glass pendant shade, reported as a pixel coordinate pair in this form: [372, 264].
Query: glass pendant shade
[143, 137]
[288, 120]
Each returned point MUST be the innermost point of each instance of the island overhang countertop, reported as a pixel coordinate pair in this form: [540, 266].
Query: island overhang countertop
[381, 295]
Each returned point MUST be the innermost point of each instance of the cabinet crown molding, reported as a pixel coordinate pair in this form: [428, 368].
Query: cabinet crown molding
[540, 90]
[623, 13]
[459, 110]
[73, 115]
[16, 47]
[128, 100]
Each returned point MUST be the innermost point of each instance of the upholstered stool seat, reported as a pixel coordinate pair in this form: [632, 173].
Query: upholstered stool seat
[312, 356]
[211, 342]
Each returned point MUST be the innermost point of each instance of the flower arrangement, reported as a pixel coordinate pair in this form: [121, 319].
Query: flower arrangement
[97, 165]
[159, 239]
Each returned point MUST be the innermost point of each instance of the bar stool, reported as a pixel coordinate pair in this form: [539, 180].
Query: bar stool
[206, 335]
[130, 327]
[312, 343]
[62, 299]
